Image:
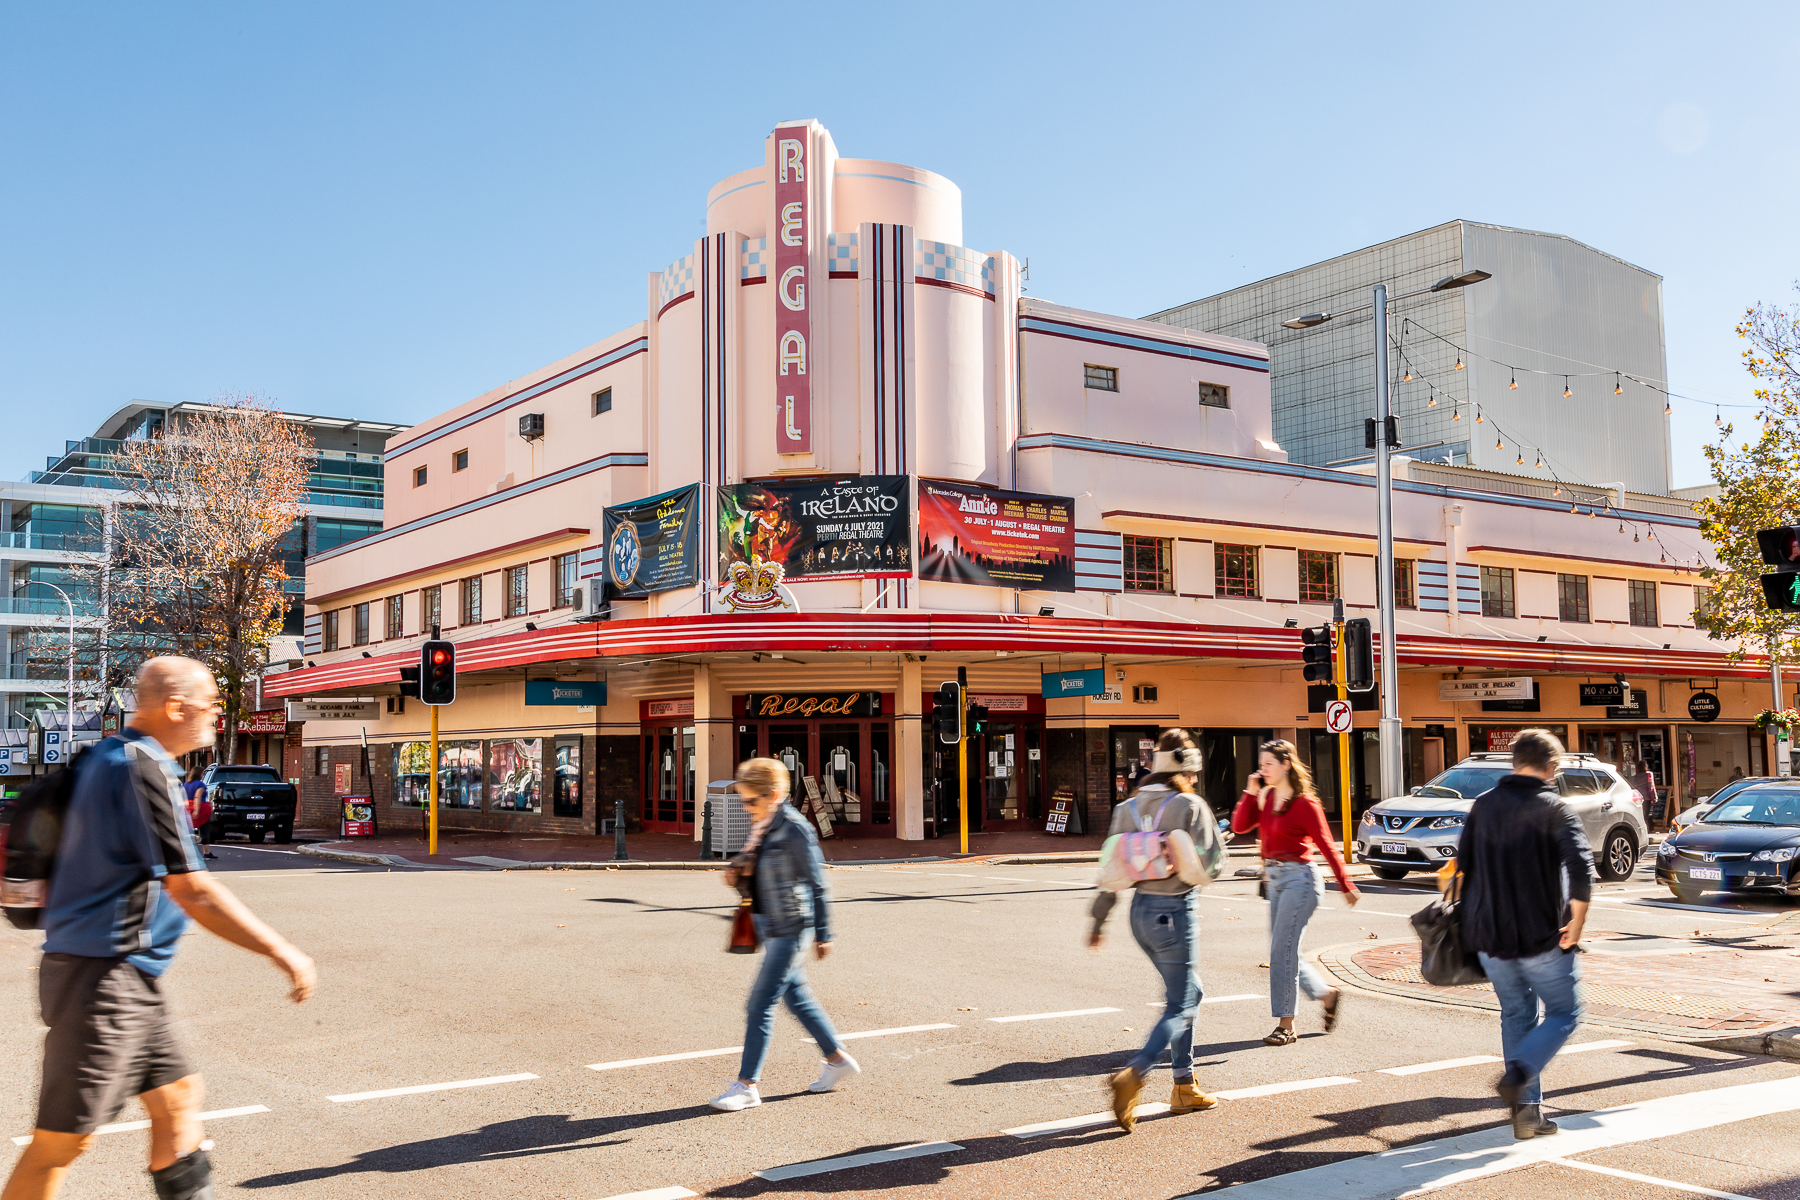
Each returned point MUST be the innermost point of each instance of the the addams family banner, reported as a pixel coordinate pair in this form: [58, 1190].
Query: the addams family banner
[652, 545]
[972, 534]
[824, 528]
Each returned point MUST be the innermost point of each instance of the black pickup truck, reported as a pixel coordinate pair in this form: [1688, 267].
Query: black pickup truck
[252, 800]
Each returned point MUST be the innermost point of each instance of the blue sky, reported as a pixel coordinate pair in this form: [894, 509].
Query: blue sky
[385, 209]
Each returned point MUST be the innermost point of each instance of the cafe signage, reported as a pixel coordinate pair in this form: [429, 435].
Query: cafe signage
[1513, 688]
[1703, 706]
[812, 704]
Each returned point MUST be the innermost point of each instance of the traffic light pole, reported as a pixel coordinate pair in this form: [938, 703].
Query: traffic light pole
[1340, 662]
[962, 759]
[431, 837]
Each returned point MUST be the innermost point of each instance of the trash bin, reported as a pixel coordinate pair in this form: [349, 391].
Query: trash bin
[728, 822]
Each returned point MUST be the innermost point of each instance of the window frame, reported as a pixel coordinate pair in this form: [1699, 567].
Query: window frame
[359, 624]
[603, 401]
[330, 634]
[431, 606]
[515, 599]
[1333, 588]
[321, 760]
[1248, 584]
[1646, 588]
[564, 578]
[459, 460]
[1505, 594]
[1574, 609]
[1161, 570]
[394, 615]
[1109, 376]
[1407, 597]
[468, 595]
[1222, 389]
[420, 475]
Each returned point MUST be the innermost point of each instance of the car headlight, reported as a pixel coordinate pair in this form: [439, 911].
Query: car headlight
[1447, 823]
[1782, 855]
[1666, 850]
[1370, 818]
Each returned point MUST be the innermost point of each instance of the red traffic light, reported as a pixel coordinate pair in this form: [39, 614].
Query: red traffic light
[439, 657]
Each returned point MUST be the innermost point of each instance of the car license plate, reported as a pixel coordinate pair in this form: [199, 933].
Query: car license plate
[256, 816]
[1393, 848]
[1705, 873]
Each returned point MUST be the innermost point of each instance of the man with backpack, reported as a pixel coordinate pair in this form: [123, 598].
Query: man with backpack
[126, 878]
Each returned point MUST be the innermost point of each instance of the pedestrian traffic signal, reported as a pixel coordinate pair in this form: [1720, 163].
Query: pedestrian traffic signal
[1315, 652]
[437, 672]
[409, 681]
[947, 713]
[1359, 655]
[1781, 550]
[978, 718]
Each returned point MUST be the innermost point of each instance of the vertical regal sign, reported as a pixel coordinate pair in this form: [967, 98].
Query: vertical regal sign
[793, 324]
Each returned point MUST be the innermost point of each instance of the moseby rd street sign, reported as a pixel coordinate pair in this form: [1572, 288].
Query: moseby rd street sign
[1337, 716]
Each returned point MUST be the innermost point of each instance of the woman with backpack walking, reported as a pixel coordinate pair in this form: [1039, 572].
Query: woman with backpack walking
[782, 873]
[1279, 803]
[1162, 921]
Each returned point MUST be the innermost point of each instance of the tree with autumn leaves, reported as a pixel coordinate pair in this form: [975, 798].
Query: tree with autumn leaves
[1759, 488]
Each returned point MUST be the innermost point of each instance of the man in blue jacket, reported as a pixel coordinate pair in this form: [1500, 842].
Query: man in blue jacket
[1525, 868]
[127, 878]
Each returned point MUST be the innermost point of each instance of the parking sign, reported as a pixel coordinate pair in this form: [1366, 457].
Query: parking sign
[6, 760]
[53, 748]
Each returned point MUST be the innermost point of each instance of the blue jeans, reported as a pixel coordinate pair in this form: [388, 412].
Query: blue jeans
[1521, 984]
[783, 977]
[1294, 891]
[1164, 926]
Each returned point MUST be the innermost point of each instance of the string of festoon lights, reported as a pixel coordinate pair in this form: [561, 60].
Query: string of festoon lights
[1596, 505]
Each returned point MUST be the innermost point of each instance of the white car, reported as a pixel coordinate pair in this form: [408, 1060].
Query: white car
[1419, 831]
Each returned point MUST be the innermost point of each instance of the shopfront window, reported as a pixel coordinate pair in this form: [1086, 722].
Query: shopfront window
[459, 774]
[788, 744]
[412, 773]
[881, 796]
[841, 780]
[515, 774]
[565, 788]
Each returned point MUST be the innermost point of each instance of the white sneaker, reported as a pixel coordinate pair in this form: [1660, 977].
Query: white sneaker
[834, 1074]
[736, 1097]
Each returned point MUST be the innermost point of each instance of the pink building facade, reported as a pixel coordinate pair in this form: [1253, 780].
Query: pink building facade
[832, 327]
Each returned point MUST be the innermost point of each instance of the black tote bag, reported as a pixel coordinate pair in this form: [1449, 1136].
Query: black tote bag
[1443, 959]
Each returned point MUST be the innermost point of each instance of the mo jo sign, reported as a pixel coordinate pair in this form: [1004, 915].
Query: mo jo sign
[793, 320]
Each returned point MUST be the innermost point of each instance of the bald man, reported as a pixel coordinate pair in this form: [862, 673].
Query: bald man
[127, 879]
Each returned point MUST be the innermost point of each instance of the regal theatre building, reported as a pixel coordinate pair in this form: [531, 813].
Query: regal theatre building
[843, 457]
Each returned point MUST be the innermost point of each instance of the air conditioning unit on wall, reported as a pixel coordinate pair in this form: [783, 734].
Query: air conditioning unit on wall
[531, 426]
[590, 601]
[1143, 693]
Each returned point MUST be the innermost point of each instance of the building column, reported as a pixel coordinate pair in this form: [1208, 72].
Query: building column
[713, 742]
[909, 753]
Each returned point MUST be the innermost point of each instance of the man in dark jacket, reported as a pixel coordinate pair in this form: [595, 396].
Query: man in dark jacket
[1525, 867]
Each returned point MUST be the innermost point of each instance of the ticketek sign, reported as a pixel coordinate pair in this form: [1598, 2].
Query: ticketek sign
[793, 318]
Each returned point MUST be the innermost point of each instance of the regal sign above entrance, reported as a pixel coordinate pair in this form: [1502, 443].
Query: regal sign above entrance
[1515, 688]
[793, 320]
[812, 704]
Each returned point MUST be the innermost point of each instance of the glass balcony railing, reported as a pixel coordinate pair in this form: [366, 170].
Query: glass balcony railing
[26, 539]
[30, 606]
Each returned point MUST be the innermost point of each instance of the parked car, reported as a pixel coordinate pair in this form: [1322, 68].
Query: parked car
[1419, 831]
[1748, 842]
[1689, 816]
[252, 800]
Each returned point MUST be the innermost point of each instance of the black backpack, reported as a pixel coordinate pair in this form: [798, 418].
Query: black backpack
[31, 844]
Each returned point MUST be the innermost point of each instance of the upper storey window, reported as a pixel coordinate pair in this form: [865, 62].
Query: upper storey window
[1100, 379]
[1215, 395]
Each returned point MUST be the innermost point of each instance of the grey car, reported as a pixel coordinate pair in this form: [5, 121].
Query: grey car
[1419, 831]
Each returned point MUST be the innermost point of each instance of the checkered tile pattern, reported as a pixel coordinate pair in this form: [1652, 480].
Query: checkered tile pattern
[953, 264]
[841, 253]
[677, 280]
[753, 258]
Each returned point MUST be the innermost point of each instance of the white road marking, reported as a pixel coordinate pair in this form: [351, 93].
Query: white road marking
[1005, 879]
[1214, 999]
[428, 1087]
[668, 1193]
[1583, 1047]
[823, 1165]
[1276, 1089]
[123, 1126]
[252, 849]
[1692, 908]
[302, 871]
[662, 1058]
[1073, 1012]
[1441, 1065]
[1083, 1122]
[1428, 1166]
[1633, 1175]
[845, 1037]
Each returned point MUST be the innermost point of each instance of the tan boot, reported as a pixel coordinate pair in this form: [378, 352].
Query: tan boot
[1125, 1088]
[1187, 1098]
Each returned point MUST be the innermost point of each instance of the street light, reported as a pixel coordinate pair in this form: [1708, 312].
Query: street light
[1393, 773]
[70, 604]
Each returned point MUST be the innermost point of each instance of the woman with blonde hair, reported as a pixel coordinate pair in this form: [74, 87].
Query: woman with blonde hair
[1162, 922]
[1281, 806]
[781, 871]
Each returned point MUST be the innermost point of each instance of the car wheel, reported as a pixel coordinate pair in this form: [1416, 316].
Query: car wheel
[284, 835]
[1618, 857]
[256, 836]
[1389, 872]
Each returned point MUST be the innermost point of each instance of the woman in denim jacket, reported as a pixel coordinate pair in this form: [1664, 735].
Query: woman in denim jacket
[781, 870]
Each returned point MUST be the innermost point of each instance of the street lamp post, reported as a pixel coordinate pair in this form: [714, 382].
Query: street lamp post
[70, 702]
[1393, 769]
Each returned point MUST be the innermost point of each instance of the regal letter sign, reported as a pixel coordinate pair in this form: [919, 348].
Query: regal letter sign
[793, 323]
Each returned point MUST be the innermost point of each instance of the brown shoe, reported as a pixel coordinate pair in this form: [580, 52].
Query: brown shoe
[1125, 1088]
[1279, 1036]
[1187, 1098]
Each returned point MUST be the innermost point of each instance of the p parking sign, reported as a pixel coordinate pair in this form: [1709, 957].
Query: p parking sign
[53, 746]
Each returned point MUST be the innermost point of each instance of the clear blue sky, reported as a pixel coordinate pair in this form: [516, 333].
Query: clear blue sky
[385, 209]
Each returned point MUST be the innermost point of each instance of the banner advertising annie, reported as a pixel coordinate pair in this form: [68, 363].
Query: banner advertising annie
[972, 534]
[652, 545]
[821, 529]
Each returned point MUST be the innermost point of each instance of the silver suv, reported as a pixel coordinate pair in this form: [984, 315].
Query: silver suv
[1418, 831]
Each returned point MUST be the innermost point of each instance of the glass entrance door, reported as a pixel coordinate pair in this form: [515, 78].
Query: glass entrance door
[669, 779]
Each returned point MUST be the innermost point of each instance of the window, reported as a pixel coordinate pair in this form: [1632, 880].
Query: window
[1318, 577]
[1101, 379]
[515, 773]
[431, 608]
[565, 786]
[516, 595]
[419, 477]
[1215, 395]
[1148, 564]
[321, 760]
[1234, 570]
[459, 461]
[1703, 604]
[459, 774]
[1404, 573]
[1643, 602]
[331, 630]
[562, 571]
[396, 623]
[602, 401]
[471, 600]
[361, 612]
[1572, 598]
[1497, 592]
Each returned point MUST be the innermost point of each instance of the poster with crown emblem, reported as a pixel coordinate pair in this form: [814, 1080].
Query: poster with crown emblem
[827, 527]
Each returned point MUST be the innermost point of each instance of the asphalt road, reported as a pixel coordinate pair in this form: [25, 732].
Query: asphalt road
[517, 982]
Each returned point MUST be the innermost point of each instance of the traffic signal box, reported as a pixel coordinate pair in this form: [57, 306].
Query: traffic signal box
[977, 720]
[1359, 655]
[1315, 652]
[947, 713]
[437, 673]
[1781, 550]
[409, 681]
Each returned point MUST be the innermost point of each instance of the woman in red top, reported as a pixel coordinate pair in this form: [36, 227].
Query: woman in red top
[1281, 805]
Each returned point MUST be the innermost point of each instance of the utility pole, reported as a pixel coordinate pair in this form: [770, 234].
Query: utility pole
[962, 758]
[1340, 675]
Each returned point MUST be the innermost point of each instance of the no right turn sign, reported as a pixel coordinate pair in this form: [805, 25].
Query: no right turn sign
[1337, 716]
